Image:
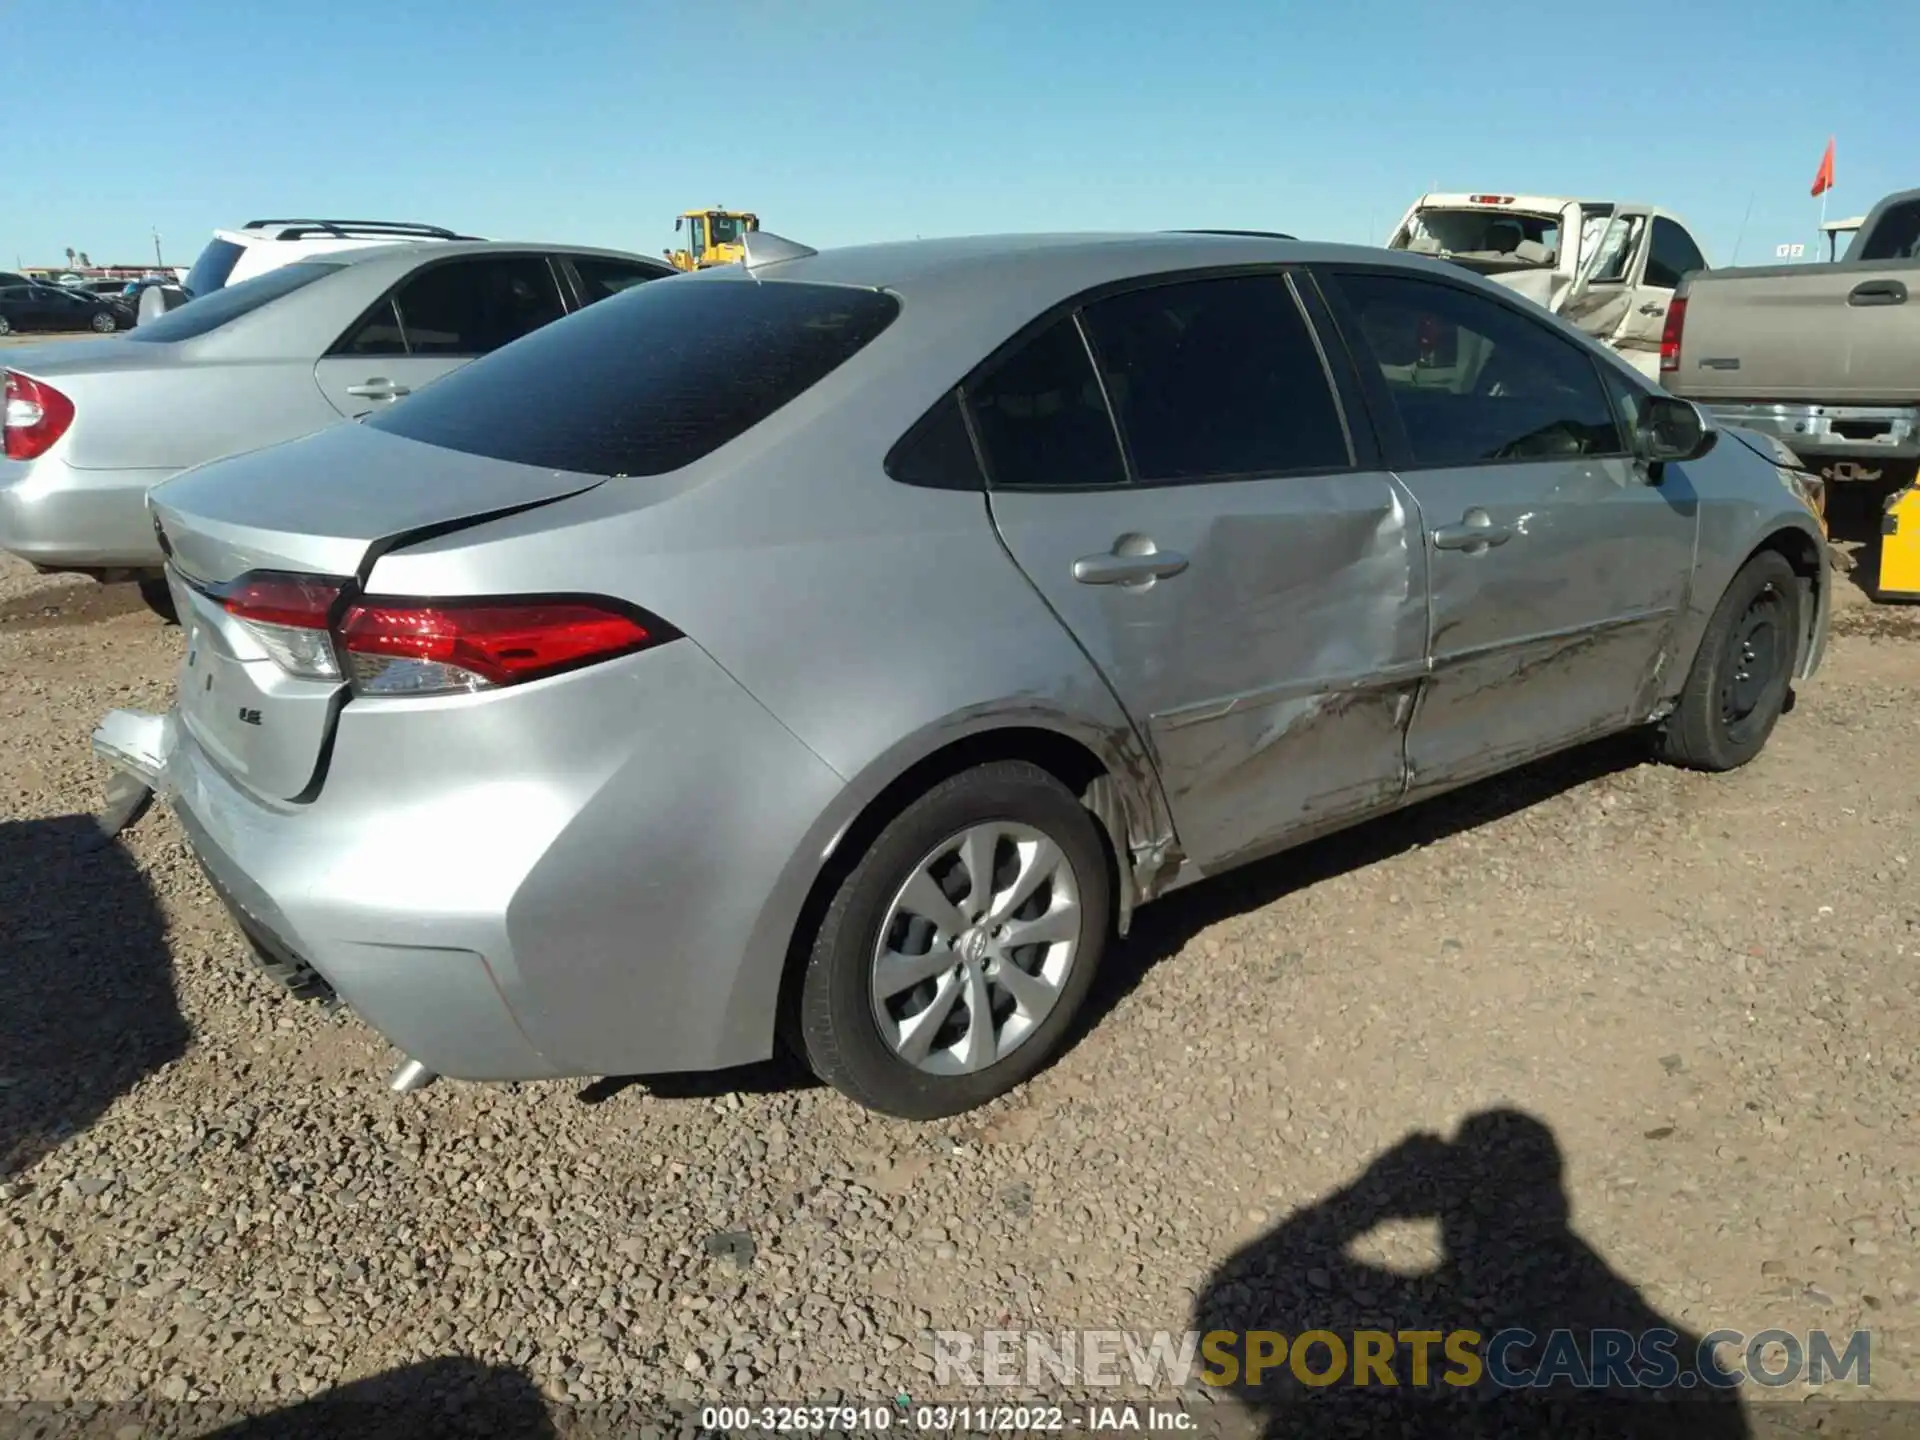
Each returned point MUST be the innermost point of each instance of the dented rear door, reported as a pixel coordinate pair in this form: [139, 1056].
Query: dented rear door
[1266, 631]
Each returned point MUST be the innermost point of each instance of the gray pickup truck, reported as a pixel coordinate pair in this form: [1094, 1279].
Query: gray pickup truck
[1824, 357]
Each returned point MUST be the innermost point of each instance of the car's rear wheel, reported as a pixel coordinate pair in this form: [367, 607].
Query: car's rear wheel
[1738, 685]
[153, 590]
[6, 326]
[955, 954]
[104, 322]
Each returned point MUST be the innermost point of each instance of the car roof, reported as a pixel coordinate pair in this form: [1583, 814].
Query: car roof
[1069, 262]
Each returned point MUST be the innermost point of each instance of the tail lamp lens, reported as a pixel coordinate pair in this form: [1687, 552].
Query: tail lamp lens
[36, 415]
[1670, 336]
[395, 647]
[409, 647]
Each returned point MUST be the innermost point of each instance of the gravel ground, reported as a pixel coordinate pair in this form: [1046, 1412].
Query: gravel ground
[1700, 990]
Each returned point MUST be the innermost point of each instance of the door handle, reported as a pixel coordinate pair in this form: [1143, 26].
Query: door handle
[1653, 307]
[1134, 560]
[1878, 292]
[1475, 532]
[378, 389]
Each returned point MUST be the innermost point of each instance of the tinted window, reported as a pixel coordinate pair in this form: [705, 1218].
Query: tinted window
[473, 307]
[1895, 235]
[211, 270]
[1041, 419]
[378, 334]
[601, 278]
[1216, 377]
[937, 452]
[648, 381]
[1672, 256]
[1472, 380]
[210, 312]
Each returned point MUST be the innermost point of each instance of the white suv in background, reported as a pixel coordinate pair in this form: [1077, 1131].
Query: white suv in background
[263, 245]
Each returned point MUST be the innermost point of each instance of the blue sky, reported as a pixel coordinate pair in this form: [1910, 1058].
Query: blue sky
[847, 120]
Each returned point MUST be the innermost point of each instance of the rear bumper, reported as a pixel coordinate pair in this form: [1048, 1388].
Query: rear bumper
[1867, 436]
[60, 517]
[569, 878]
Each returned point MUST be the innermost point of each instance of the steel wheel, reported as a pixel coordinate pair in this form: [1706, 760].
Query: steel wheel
[1757, 650]
[976, 948]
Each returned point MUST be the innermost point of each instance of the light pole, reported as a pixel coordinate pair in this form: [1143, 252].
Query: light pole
[158, 263]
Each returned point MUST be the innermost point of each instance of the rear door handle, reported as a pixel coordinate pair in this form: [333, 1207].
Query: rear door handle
[1476, 531]
[1133, 560]
[378, 389]
[1878, 292]
[1653, 307]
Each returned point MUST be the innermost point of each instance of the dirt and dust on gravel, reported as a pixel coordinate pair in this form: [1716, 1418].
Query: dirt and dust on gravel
[1598, 1043]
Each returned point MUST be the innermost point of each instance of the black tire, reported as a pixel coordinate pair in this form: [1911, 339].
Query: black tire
[159, 599]
[1740, 678]
[838, 1035]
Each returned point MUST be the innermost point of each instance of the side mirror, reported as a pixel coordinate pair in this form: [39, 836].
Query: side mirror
[1674, 429]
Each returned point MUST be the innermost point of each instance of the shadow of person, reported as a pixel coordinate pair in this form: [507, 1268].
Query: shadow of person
[440, 1399]
[1546, 1308]
[87, 1006]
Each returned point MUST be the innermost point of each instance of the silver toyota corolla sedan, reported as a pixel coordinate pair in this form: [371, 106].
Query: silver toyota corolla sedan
[835, 649]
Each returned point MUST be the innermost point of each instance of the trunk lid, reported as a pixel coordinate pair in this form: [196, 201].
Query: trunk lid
[323, 507]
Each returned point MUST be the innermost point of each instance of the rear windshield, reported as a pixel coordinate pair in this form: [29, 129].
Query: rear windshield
[215, 264]
[647, 381]
[1485, 234]
[210, 312]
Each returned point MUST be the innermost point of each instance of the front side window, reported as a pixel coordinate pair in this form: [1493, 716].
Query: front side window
[1510, 388]
[1042, 420]
[1216, 378]
[473, 307]
[1672, 256]
[726, 230]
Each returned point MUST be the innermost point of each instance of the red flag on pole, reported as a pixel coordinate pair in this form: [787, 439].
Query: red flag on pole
[1823, 181]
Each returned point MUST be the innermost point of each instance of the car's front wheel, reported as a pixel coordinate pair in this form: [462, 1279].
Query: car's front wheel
[104, 322]
[6, 326]
[1740, 677]
[955, 954]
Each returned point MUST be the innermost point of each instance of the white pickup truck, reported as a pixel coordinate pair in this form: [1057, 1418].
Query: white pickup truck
[1606, 266]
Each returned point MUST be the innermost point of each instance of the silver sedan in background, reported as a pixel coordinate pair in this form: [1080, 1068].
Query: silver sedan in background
[90, 426]
[837, 648]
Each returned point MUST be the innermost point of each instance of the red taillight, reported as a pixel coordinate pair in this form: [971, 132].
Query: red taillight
[1489, 199]
[402, 647]
[288, 614]
[1670, 336]
[36, 416]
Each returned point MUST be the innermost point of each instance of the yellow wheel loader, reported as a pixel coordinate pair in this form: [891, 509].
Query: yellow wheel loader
[713, 237]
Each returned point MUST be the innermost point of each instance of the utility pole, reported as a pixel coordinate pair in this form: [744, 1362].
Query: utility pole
[158, 263]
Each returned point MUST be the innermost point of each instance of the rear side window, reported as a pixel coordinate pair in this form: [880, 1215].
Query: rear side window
[1895, 235]
[648, 381]
[210, 271]
[1042, 420]
[600, 278]
[209, 312]
[1216, 378]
